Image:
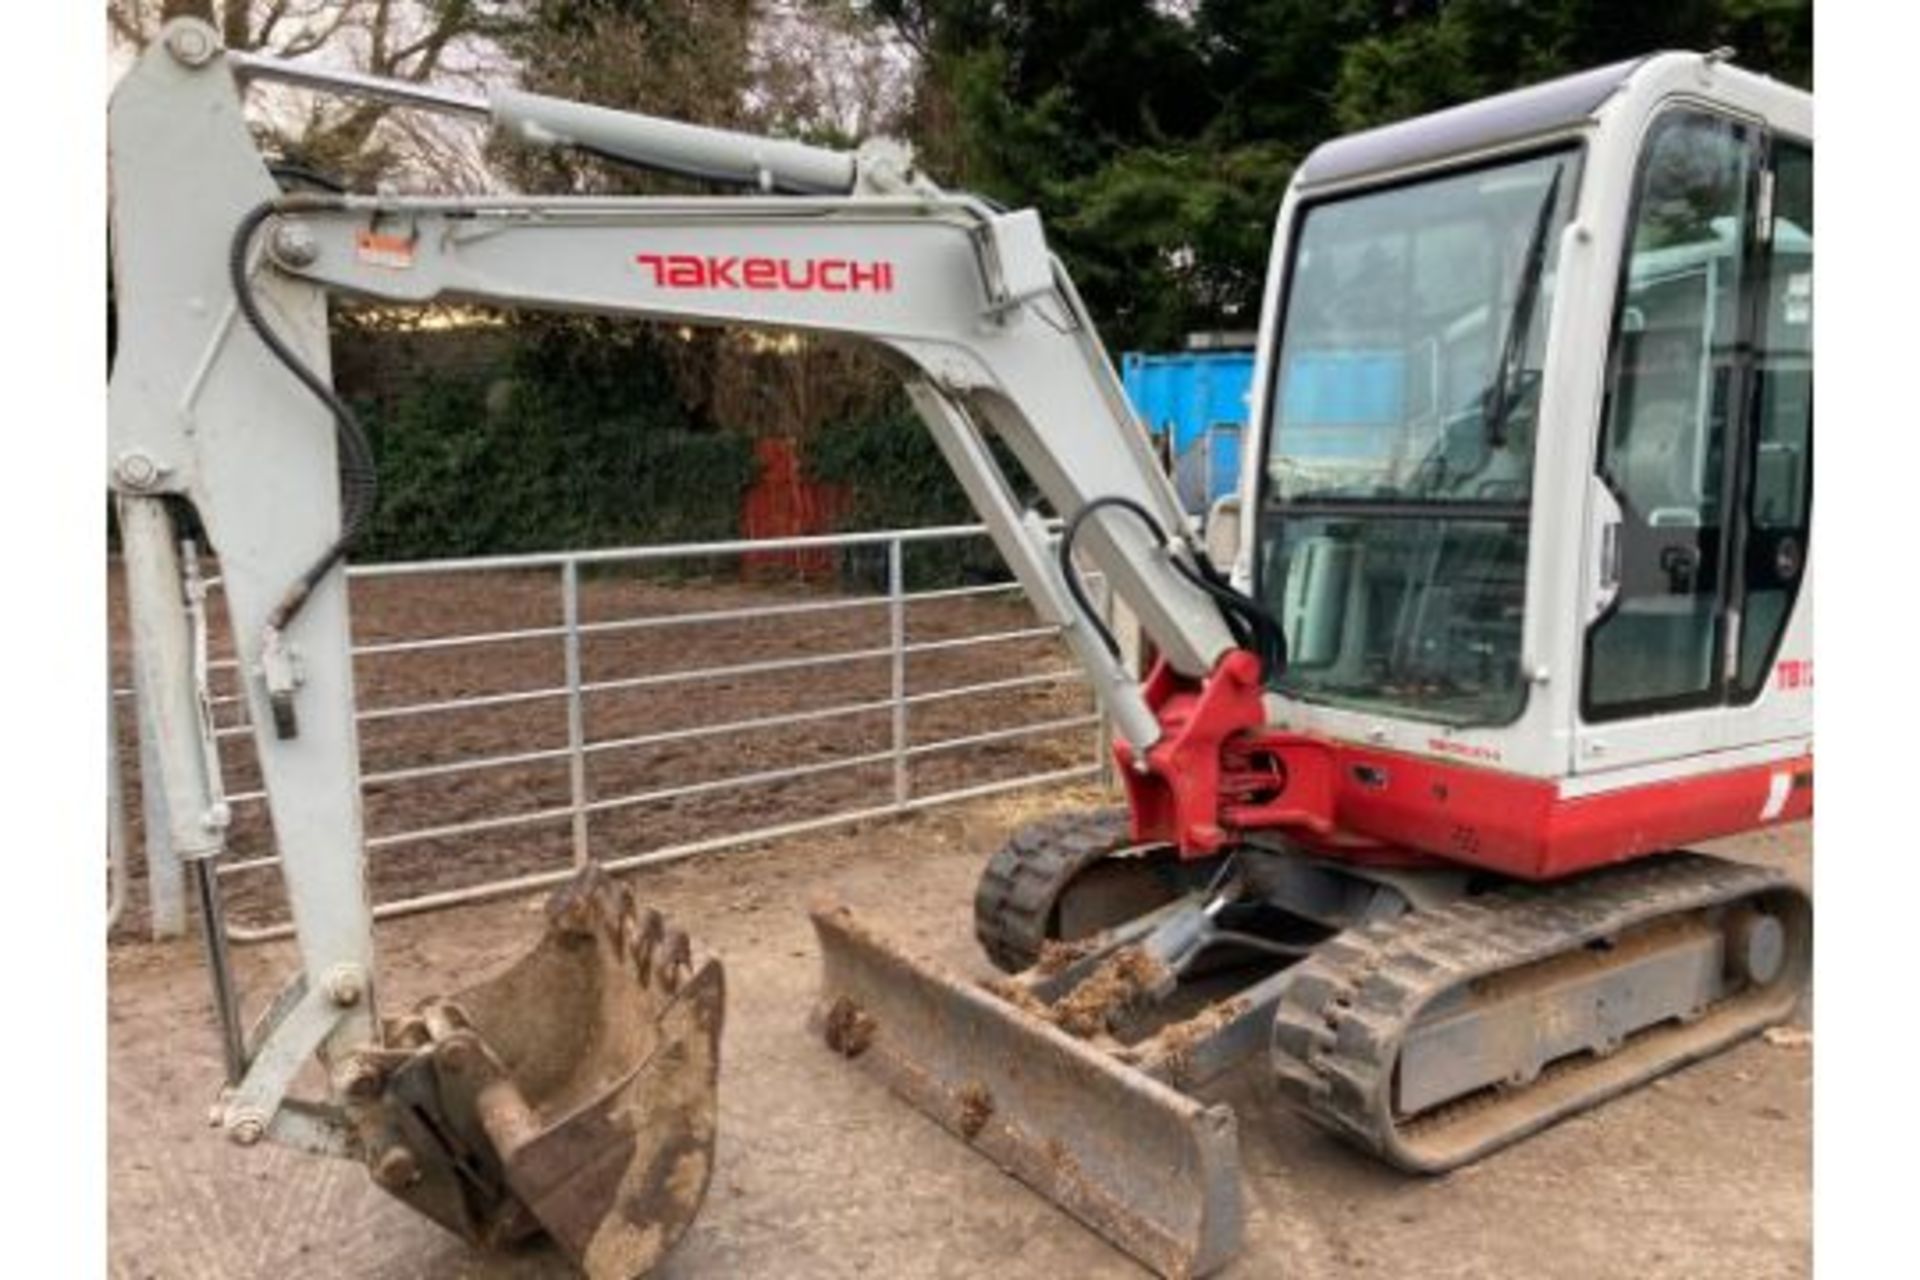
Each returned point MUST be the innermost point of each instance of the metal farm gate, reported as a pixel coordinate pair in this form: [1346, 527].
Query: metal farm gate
[522, 714]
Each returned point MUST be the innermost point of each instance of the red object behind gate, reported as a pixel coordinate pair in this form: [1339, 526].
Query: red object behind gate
[783, 504]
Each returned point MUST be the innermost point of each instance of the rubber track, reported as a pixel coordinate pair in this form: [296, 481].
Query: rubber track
[1340, 1023]
[1025, 877]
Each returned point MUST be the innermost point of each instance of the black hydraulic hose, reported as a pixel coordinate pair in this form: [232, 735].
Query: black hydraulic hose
[1258, 629]
[359, 482]
[1076, 588]
[286, 172]
[1251, 624]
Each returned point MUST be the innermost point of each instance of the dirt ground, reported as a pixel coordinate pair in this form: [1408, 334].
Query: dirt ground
[822, 1173]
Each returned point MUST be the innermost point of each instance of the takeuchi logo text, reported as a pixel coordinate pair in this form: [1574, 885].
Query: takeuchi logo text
[789, 275]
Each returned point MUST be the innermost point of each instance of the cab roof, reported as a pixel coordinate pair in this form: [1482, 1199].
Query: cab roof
[1536, 110]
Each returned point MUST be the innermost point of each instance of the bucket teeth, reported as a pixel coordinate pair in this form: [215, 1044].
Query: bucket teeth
[594, 903]
[678, 960]
[573, 1092]
[585, 902]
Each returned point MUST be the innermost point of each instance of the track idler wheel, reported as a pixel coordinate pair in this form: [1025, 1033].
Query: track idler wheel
[1063, 878]
[574, 1093]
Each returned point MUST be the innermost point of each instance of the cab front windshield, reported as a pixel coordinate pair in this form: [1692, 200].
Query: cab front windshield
[1399, 467]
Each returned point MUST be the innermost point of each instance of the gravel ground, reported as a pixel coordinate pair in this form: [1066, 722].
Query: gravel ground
[822, 1173]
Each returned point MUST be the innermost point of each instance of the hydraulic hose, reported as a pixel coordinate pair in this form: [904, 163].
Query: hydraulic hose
[1253, 626]
[286, 172]
[359, 482]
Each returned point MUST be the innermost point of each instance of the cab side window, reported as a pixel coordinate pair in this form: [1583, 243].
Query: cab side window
[1780, 458]
[1671, 393]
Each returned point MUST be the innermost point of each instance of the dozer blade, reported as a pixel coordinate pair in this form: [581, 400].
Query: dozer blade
[574, 1093]
[1154, 1171]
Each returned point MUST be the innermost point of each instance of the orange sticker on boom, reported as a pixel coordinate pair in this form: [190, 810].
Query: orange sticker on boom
[378, 250]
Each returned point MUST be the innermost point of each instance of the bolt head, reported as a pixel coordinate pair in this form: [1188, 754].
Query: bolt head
[357, 1080]
[396, 1168]
[295, 244]
[137, 470]
[455, 1055]
[345, 986]
[192, 44]
[246, 1128]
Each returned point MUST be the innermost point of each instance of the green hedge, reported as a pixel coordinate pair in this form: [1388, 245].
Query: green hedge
[896, 478]
[580, 439]
[532, 460]
[472, 468]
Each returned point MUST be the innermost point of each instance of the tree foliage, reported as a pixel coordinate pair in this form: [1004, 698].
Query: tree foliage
[895, 477]
[1157, 140]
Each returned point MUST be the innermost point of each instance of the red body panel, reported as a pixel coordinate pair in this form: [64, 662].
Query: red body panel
[1217, 773]
[1523, 827]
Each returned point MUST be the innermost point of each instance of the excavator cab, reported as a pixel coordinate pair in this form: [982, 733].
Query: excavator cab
[1526, 490]
[1536, 427]
[1396, 505]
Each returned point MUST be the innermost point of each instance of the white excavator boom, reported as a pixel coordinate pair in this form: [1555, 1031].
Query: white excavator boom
[220, 398]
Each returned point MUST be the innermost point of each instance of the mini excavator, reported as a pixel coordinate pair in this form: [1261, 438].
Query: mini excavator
[1512, 607]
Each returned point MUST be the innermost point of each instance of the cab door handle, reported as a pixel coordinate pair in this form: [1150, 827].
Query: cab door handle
[1610, 556]
[1681, 564]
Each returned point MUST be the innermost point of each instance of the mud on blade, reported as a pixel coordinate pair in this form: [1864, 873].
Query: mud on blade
[574, 1093]
[1152, 1170]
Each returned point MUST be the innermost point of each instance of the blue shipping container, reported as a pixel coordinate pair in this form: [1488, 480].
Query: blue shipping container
[1196, 403]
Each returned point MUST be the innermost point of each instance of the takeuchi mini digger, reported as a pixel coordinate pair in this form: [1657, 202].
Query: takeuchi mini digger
[1512, 607]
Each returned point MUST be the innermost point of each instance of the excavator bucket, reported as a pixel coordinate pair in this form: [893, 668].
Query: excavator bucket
[574, 1093]
[1152, 1170]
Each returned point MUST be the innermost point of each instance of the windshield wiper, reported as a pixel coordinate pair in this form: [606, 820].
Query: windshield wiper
[1498, 396]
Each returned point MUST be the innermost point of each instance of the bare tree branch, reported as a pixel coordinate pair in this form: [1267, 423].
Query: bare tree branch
[377, 59]
[361, 142]
[275, 12]
[312, 38]
[428, 46]
[234, 33]
[451, 20]
[128, 22]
